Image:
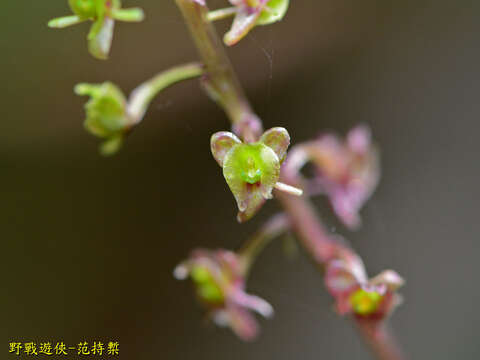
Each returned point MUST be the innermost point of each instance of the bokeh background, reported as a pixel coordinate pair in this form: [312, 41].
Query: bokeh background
[89, 243]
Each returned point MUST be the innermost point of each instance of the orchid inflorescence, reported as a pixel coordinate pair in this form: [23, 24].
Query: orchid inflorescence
[255, 166]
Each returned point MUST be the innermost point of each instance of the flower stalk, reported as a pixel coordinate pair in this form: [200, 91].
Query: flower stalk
[142, 96]
[220, 81]
[274, 227]
[109, 115]
[380, 340]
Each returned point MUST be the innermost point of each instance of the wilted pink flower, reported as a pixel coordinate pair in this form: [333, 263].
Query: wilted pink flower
[220, 287]
[347, 171]
[347, 282]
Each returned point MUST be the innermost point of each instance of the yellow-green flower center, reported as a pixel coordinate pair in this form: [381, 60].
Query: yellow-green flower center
[207, 288]
[365, 302]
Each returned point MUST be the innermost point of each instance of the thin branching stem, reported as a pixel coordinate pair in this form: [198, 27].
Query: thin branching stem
[220, 80]
[141, 97]
[274, 227]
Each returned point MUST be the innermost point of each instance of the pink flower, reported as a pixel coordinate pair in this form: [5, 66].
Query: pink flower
[220, 287]
[346, 171]
[347, 282]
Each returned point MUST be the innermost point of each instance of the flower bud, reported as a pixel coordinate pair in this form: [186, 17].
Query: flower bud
[106, 113]
[354, 293]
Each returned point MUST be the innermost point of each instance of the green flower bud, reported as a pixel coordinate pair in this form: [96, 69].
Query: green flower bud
[106, 112]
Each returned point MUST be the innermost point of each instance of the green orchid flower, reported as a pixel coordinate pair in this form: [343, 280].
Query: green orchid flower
[252, 170]
[103, 13]
[107, 114]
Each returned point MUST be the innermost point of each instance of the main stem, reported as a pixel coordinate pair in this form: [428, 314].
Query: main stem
[220, 80]
[380, 340]
[224, 86]
[323, 248]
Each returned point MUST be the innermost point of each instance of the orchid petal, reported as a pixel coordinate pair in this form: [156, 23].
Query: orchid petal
[252, 201]
[244, 21]
[128, 15]
[389, 278]
[100, 37]
[253, 302]
[278, 140]
[221, 143]
[359, 139]
[339, 279]
[242, 322]
[65, 21]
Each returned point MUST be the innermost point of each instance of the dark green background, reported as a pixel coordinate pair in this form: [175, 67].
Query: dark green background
[89, 243]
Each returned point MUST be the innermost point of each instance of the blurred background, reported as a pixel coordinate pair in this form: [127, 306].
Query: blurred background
[91, 242]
